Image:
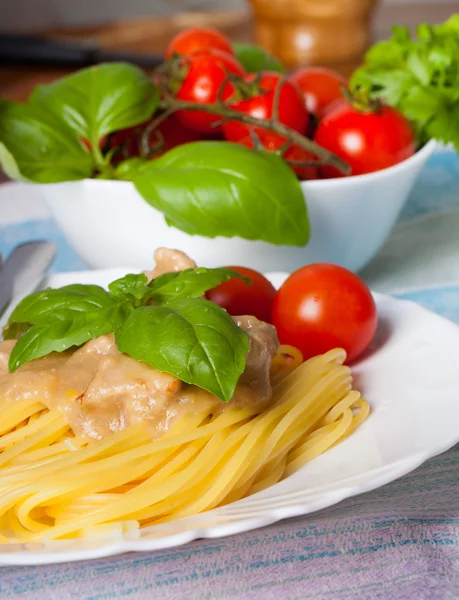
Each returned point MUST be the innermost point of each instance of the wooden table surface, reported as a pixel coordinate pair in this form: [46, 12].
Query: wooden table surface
[152, 34]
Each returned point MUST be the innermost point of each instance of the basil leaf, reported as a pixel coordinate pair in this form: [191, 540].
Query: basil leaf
[9, 165]
[38, 307]
[255, 59]
[15, 330]
[133, 288]
[64, 329]
[127, 169]
[34, 149]
[100, 99]
[190, 283]
[195, 340]
[224, 189]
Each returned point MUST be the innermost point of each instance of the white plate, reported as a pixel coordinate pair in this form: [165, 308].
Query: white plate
[411, 379]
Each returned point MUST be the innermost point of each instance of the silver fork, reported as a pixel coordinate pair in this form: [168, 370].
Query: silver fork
[22, 273]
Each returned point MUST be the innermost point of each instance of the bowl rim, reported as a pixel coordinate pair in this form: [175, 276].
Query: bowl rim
[419, 156]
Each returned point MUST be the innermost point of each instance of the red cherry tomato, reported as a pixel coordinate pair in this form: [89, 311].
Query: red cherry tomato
[240, 298]
[320, 88]
[368, 142]
[169, 134]
[297, 154]
[198, 39]
[206, 73]
[324, 306]
[292, 111]
[173, 134]
[126, 142]
[272, 142]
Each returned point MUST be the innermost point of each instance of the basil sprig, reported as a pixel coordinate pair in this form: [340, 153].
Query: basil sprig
[164, 323]
[206, 188]
[58, 134]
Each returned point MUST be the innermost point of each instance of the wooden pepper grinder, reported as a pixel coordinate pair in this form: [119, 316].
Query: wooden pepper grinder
[318, 32]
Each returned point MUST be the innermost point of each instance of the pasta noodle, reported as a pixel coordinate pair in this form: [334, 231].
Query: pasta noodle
[55, 485]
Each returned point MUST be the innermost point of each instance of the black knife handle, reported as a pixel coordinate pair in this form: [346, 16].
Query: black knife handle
[31, 50]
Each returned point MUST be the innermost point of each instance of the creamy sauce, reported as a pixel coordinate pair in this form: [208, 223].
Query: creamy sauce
[101, 391]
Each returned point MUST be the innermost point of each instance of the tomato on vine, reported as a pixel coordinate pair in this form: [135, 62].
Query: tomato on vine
[125, 143]
[367, 141]
[169, 134]
[272, 142]
[320, 87]
[198, 39]
[205, 73]
[256, 95]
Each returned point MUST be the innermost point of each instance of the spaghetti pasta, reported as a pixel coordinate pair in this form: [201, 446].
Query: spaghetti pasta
[55, 484]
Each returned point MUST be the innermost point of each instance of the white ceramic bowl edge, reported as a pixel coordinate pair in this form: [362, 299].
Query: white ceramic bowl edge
[109, 224]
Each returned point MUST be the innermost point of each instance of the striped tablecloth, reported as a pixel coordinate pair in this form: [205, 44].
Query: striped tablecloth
[398, 542]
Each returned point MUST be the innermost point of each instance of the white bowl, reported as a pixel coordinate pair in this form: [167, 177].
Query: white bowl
[109, 224]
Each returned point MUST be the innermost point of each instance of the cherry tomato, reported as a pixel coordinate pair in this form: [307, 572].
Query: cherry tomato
[367, 141]
[173, 133]
[169, 134]
[320, 88]
[198, 39]
[126, 142]
[240, 298]
[297, 154]
[206, 73]
[324, 306]
[273, 142]
[260, 104]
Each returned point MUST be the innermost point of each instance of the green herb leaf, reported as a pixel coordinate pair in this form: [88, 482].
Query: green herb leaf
[127, 169]
[15, 330]
[133, 288]
[191, 283]
[43, 141]
[100, 99]
[419, 76]
[38, 307]
[195, 340]
[36, 149]
[190, 338]
[255, 59]
[223, 189]
[67, 328]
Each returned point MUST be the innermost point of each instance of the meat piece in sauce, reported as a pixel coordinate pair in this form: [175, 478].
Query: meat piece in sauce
[263, 346]
[169, 261]
[102, 391]
[98, 389]
[121, 391]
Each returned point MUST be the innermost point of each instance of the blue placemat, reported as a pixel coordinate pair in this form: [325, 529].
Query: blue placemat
[43, 229]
